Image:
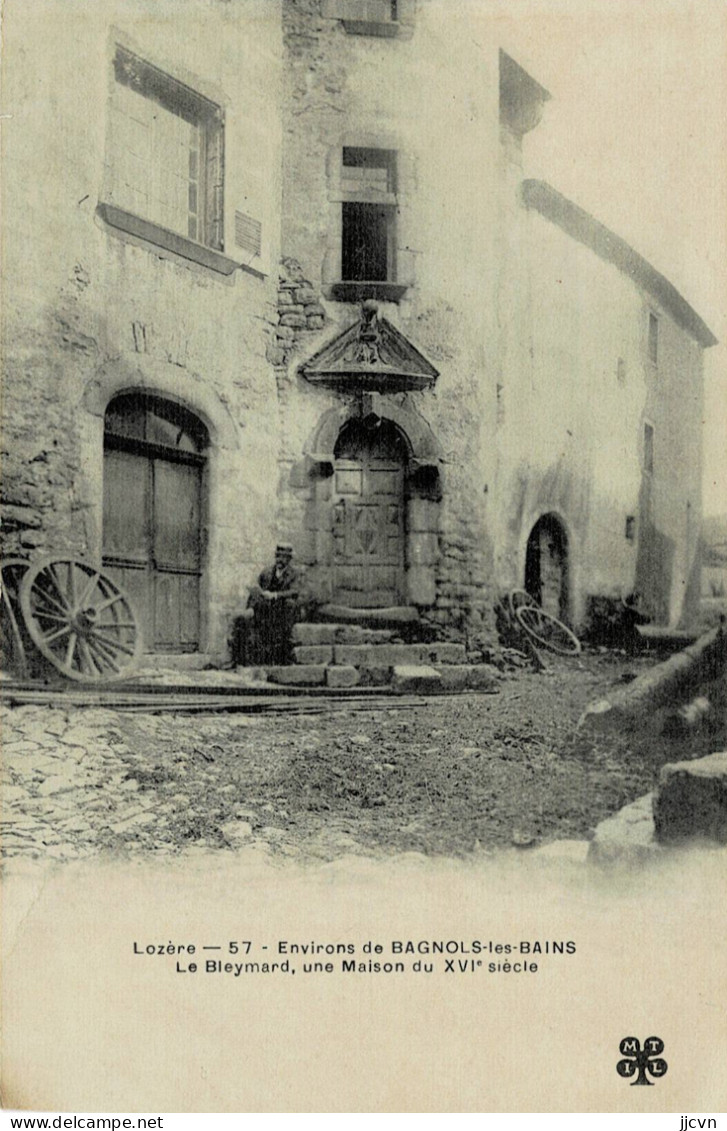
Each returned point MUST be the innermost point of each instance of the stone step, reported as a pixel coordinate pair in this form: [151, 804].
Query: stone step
[301, 675]
[410, 674]
[469, 677]
[408, 678]
[344, 614]
[379, 654]
[316, 635]
[383, 655]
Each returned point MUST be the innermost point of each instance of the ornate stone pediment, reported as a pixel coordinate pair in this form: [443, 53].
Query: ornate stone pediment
[371, 355]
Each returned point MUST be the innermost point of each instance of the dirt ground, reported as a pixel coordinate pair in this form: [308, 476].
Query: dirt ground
[445, 776]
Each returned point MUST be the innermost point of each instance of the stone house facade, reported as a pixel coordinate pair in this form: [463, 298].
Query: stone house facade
[140, 255]
[293, 284]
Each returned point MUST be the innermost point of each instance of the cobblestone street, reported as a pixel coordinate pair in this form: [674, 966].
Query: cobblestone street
[444, 776]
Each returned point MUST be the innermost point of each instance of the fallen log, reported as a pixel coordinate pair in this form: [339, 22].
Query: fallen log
[667, 684]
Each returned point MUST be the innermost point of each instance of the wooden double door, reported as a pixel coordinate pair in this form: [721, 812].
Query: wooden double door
[369, 516]
[152, 543]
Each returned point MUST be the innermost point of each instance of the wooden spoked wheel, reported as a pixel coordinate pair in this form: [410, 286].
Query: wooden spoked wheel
[14, 634]
[547, 631]
[80, 620]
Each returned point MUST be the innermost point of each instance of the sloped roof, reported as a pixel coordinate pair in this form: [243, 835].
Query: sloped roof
[611, 248]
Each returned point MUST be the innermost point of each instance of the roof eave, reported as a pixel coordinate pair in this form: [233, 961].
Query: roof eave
[608, 246]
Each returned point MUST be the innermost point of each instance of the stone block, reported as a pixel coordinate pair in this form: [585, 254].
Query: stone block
[423, 549]
[395, 615]
[33, 538]
[301, 675]
[313, 654]
[469, 677]
[444, 653]
[377, 655]
[20, 516]
[423, 516]
[293, 320]
[314, 634]
[377, 675]
[284, 333]
[627, 838]
[691, 800]
[421, 585]
[315, 322]
[355, 634]
[275, 355]
[307, 296]
[342, 675]
[415, 678]
[285, 298]
[235, 831]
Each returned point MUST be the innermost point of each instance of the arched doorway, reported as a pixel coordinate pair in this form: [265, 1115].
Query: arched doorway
[546, 566]
[154, 458]
[368, 514]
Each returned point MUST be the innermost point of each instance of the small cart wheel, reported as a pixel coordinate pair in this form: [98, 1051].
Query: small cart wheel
[547, 631]
[519, 599]
[80, 620]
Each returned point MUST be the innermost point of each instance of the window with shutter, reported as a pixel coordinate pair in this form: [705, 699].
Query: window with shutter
[367, 17]
[165, 157]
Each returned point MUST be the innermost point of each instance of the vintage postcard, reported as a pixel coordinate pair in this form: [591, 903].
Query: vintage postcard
[364, 567]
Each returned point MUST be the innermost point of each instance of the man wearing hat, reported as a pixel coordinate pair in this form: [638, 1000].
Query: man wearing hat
[275, 606]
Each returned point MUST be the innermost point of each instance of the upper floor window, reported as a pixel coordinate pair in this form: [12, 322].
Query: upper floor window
[367, 17]
[165, 152]
[368, 183]
[653, 338]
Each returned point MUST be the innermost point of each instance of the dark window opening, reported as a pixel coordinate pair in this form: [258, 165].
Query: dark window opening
[368, 181]
[653, 338]
[648, 448]
[365, 245]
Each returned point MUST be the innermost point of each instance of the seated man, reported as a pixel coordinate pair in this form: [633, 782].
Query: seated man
[275, 605]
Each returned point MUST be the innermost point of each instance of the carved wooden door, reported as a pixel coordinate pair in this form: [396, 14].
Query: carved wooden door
[369, 518]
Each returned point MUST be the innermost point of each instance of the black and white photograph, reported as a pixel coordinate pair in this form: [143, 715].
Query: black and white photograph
[364, 556]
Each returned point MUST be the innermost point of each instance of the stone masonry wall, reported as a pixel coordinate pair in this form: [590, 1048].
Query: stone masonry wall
[359, 90]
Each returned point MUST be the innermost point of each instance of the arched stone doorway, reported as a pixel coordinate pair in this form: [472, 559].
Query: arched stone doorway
[153, 499]
[368, 512]
[546, 566]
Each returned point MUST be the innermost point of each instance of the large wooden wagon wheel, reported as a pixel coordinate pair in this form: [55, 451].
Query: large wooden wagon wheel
[80, 620]
[15, 635]
[547, 631]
